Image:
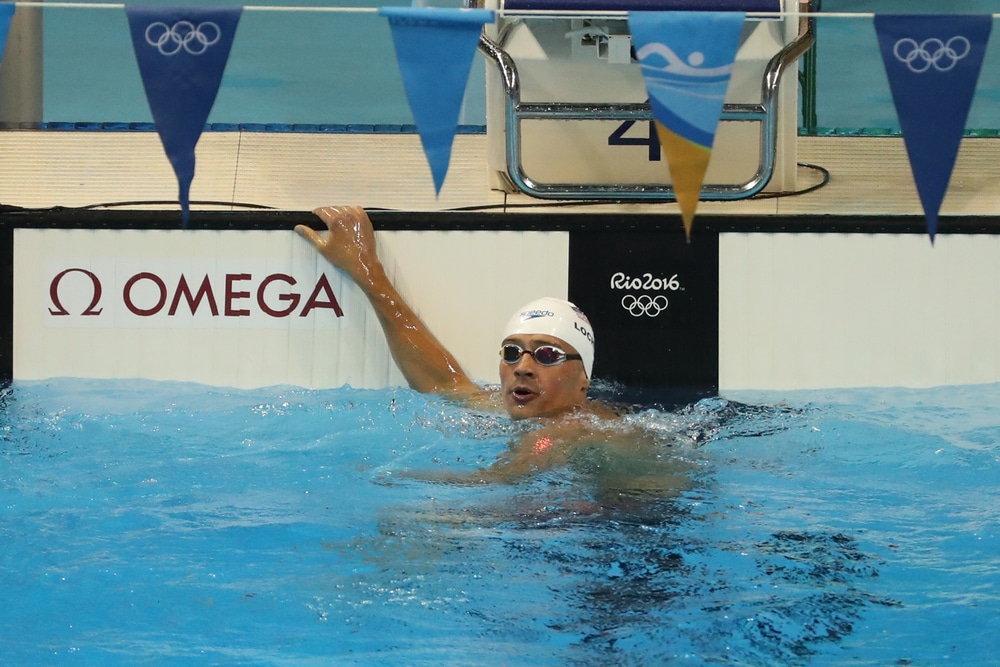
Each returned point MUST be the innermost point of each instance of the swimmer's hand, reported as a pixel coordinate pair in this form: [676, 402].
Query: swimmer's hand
[349, 245]
[350, 242]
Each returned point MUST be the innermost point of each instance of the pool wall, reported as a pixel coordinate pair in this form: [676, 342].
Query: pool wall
[829, 287]
[240, 300]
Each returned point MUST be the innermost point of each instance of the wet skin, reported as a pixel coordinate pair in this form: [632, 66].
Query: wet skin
[529, 389]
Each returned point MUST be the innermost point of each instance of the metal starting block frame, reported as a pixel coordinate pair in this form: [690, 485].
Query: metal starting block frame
[566, 93]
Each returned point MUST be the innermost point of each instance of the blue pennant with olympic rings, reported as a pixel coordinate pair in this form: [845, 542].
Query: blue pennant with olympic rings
[434, 49]
[933, 64]
[6, 14]
[182, 53]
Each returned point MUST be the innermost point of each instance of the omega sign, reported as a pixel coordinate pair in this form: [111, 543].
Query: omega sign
[244, 295]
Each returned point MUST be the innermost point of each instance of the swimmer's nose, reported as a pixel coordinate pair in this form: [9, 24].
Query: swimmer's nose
[525, 366]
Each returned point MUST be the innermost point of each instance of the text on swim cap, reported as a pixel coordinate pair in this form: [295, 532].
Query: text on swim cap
[583, 331]
[532, 314]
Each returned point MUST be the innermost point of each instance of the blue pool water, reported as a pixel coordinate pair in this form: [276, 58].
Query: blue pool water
[161, 523]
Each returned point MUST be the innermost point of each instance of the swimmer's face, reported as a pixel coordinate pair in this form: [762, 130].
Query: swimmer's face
[532, 390]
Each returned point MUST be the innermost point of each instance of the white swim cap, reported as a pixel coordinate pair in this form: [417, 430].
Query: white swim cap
[554, 317]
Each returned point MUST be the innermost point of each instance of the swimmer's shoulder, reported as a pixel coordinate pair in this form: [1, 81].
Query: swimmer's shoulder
[485, 399]
[604, 410]
[490, 400]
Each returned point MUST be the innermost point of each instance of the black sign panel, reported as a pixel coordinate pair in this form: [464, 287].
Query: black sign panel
[653, 299]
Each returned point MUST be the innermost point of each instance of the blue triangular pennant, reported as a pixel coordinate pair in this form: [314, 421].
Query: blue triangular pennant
[182, 53]
[434, 49]
[687, 60]
[933, 63]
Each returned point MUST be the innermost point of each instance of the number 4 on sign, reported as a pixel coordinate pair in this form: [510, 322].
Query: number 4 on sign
[618, 138]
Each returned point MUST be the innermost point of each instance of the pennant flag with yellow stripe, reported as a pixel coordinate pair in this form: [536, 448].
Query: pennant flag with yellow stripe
[687, 60]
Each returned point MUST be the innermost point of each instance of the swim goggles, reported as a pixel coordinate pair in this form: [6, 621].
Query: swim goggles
[545, 355]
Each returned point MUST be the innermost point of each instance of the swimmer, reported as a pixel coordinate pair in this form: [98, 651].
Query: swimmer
[546, 357]
[547, 350]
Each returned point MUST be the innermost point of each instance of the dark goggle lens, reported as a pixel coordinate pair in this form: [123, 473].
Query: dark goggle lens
[545, 355]
[548, 356]
[511, 354]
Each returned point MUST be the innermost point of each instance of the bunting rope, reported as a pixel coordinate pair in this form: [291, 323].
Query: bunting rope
[246, 8]
[520, 13]
[932, 62]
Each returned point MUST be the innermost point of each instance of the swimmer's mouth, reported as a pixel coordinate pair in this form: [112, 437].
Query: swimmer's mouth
[522, 394]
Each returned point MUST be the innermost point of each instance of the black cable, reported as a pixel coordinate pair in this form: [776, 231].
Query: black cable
[121, 204]
[9, 208]
[4, 208]
[795, 193]
[603, 202]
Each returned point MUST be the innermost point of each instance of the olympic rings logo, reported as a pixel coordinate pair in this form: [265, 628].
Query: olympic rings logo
[932, 52]
[169, 40]
[644, 304]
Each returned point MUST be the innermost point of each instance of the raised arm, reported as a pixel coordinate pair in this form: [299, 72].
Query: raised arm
[350, 246]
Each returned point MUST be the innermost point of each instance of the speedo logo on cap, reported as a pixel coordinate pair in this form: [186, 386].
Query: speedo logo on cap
[532, 314]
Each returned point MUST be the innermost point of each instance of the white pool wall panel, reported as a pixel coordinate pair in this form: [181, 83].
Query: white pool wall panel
[464, 284]
[805, 311]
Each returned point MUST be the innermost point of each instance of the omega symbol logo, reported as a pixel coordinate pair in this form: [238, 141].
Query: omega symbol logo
[59, 309]
[148, 294]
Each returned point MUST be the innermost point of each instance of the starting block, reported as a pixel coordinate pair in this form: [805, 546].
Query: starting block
[566, 106]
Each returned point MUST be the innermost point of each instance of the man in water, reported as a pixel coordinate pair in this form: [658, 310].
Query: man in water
[547, 355]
